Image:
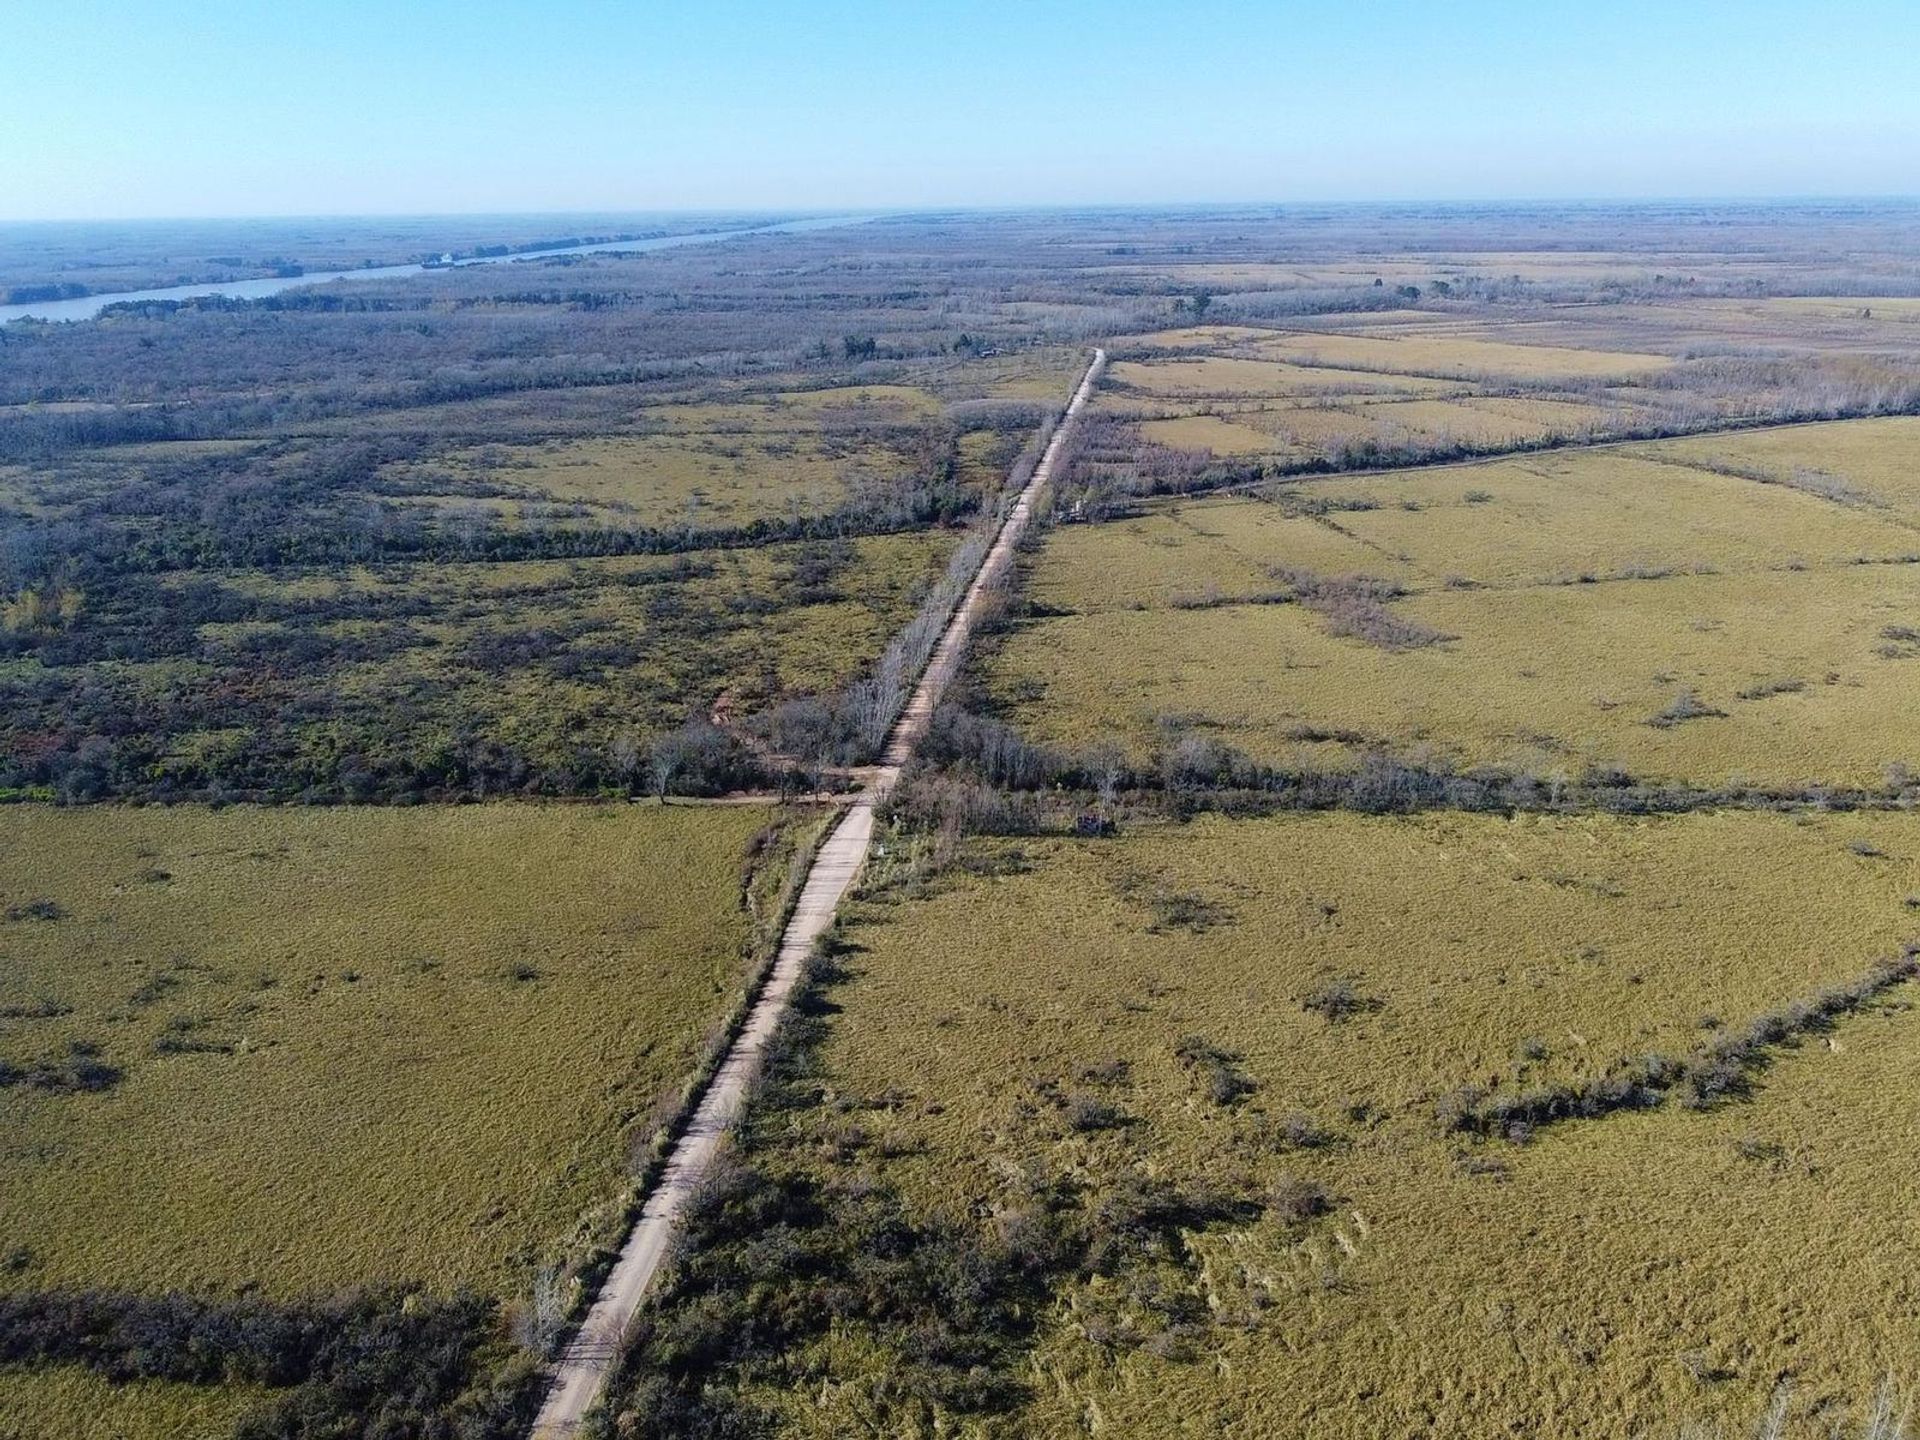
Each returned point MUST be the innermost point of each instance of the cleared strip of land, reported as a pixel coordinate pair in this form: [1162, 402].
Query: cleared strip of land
[583, 1369]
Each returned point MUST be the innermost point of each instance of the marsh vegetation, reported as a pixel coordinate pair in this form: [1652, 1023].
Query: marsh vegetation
[1424, 835]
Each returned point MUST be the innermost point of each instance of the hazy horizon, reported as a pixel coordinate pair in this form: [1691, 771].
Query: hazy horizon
[751, 212]
[118, 110]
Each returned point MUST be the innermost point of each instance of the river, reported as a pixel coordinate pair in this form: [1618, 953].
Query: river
[85, 307]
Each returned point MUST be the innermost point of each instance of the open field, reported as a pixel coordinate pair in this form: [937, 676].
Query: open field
[1580, 513]
[292, 1053]
[71, 1404]
[1452, 357]
[1643, 607]
[1790, 680]
[1193, 1078]
[348, 1045]
[728, 472]
[1235, 377]
[1370, 385]
[1872, 464]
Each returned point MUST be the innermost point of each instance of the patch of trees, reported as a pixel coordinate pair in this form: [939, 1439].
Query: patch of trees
[40, 294]
[974, 772]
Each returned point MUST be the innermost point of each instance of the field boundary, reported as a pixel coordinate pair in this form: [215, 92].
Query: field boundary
[1284, 473]
[581, 1373]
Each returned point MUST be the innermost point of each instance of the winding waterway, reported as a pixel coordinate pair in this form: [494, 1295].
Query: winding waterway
[85, 307]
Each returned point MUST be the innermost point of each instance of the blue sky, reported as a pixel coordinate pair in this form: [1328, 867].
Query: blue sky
[120, 108]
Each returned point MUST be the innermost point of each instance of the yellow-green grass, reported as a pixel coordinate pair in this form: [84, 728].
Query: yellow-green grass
[979, 457]
[1233, 376]
[1558, 417]
[1599, 512]
[1425, 424]
[1581, 1284]
[1327, 427]
[1182, 550]
[1598, 936]
[1223, 435]
[848, 402]
[1428, 425]
[700, 480]
[358, 1045]
[72, 1404]
[1190, 337]
[1047, 374]
[1552, 679]
[1893, 309]
[1877, 461]
[1449, 356]
[703, 463]
[1477, 423]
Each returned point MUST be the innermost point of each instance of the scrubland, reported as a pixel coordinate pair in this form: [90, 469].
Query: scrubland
[1533, 1060]
[464, 677]
[1405, 925]
[1188, 1098]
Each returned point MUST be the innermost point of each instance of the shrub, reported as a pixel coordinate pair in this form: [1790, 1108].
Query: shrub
[1087, 1113]
[1217, 1069]
[1339, 1000]
[37, 909]
[80, 1071]
[1295, 1199]
[1355, 606]
[386, 1362]
[1686, 706]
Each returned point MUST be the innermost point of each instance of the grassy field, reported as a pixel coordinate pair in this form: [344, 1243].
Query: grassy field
[697, 465]
[1872, 464]
[336, 1048]
[1454, 357]
[70, 1404]
[1614, 607]
[1379, 385]
[1085, 1019]
[353, 1045]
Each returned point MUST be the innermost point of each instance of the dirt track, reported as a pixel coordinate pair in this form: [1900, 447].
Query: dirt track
[582, 1370]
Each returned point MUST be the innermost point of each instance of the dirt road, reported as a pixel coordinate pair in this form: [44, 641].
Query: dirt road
[582, 1370]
